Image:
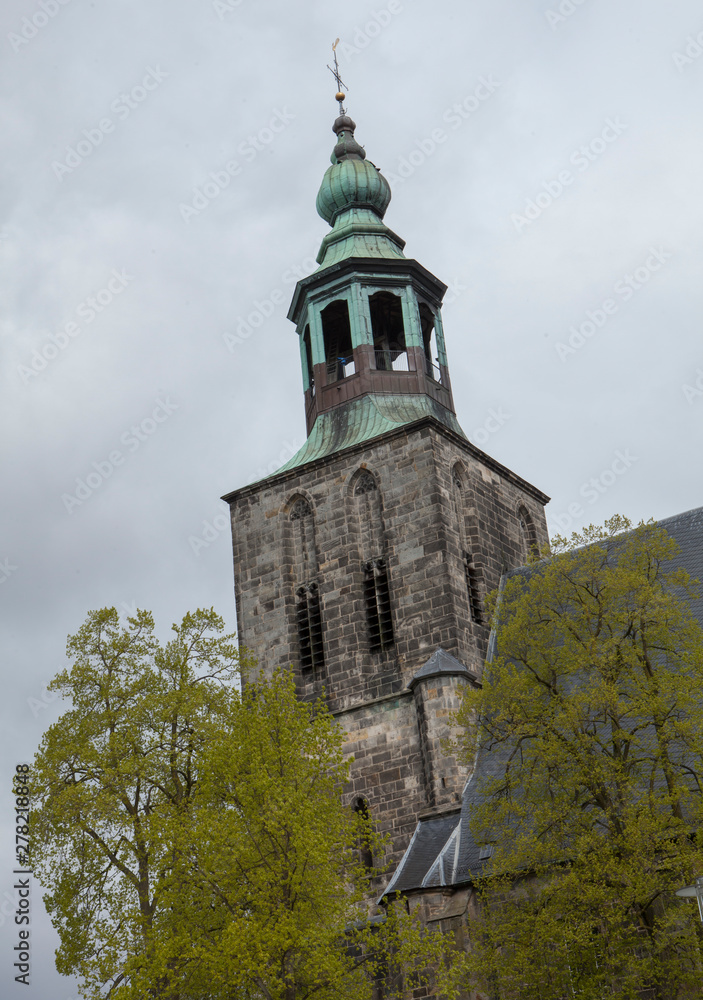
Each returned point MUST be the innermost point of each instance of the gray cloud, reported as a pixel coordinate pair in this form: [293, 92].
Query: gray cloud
[224, 74]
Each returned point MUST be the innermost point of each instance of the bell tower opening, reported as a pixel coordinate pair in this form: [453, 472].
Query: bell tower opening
[388, 332]
[429, 342]
[336, 334]
[307, 348]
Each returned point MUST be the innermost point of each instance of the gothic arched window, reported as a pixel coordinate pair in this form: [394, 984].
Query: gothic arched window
[527, 530]
[467, 540]
[308, 615]
[377, 600]
[378, 605]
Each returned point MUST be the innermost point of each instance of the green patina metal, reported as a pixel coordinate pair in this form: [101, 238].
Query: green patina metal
[358, 232]
[361, 257]
[365, 418]
[353, 199]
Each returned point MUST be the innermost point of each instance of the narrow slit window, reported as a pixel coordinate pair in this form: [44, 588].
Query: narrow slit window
[361, 808]
[378, 605]
[472, 589]
[309, 621]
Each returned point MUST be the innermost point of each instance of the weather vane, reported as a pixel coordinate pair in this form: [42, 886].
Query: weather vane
[340, 95]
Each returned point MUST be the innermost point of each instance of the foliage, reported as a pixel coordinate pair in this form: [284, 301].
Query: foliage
[590, 723]
[192, 837]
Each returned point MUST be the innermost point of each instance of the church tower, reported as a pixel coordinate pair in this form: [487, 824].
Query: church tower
[363, 563]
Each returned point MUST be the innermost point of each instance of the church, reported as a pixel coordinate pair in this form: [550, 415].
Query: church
[365, 561]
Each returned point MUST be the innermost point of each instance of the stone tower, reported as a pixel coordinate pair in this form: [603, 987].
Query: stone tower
[364, 562]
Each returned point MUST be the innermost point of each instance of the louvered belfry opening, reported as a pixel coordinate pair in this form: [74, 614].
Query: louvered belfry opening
[309, 621]
[378, 605]
[472, 588]
[377, 598]
[308, 614]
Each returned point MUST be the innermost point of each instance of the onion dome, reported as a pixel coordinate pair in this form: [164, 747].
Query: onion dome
[352, 181]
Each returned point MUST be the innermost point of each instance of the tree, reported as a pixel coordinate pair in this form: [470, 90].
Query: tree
[590, 726]
[192, 837]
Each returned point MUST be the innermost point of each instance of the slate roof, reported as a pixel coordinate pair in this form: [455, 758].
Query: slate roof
[440, 664]
[442, 851]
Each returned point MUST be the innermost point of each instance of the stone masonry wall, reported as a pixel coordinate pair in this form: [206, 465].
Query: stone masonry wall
[414, 469]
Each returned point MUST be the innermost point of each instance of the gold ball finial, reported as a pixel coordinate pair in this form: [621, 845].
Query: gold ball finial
[339, 96]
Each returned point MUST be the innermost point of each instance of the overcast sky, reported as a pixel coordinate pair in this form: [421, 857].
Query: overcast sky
[161, 165]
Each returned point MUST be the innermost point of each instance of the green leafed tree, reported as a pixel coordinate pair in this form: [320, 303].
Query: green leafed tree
[191, 837]
[590, 724]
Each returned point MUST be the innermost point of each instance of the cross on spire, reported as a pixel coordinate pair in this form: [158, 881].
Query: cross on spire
[340, 95]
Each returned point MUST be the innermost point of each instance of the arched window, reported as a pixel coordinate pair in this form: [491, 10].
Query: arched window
[378, 605]
[308, 614]
[309, 621]
[472, 589]
[528, 533]
[388, 332]
[467, 540]
[377, 599]
[336, 333]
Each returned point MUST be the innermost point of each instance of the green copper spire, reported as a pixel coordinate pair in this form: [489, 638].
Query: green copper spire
[353, 199]
[368, 320]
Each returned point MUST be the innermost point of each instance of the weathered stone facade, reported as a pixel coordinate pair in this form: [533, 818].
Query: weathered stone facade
[434, 497]
[364, 564]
